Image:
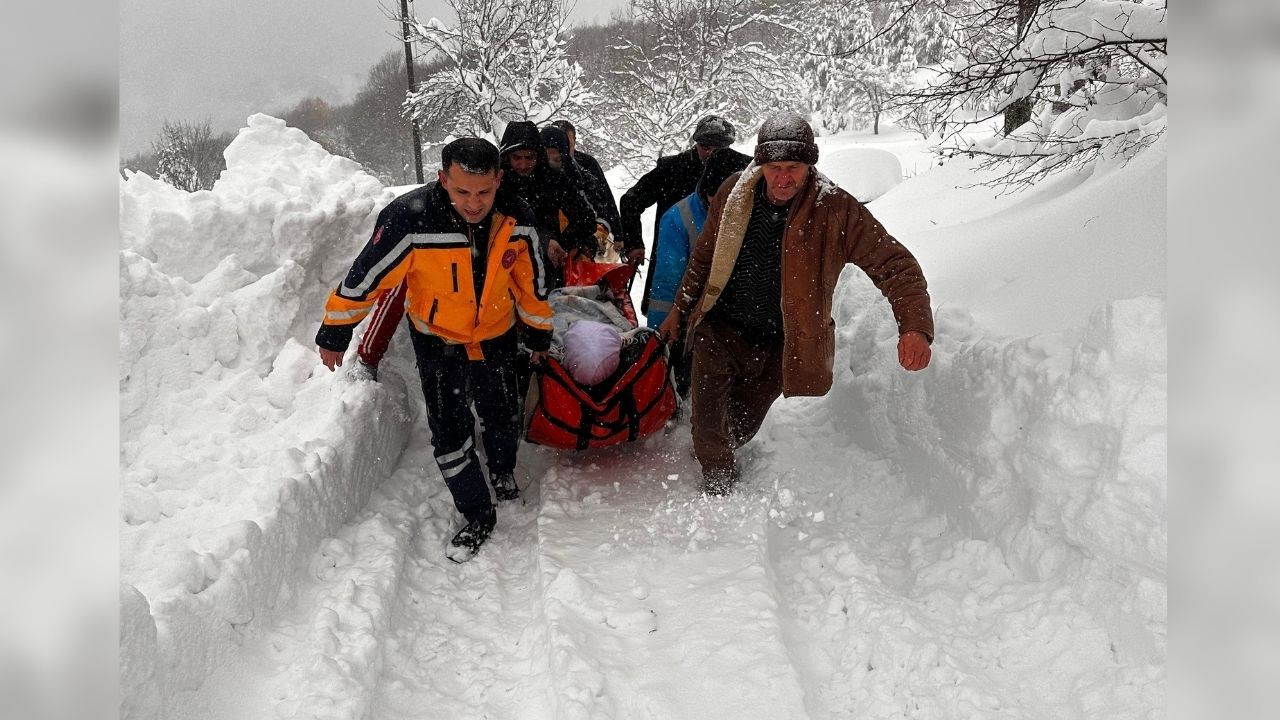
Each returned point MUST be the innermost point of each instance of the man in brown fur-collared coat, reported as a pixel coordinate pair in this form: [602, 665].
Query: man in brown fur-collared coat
[758, 289]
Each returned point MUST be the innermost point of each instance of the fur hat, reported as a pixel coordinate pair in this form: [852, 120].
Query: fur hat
[715, 131]
[786, 137]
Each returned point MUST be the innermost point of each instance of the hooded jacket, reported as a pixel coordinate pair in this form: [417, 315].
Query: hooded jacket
[601, 200]
[550, 192]
[421, 241]
[827, 228]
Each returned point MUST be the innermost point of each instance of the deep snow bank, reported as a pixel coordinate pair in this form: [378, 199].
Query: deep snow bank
[237, 456]
[1040, 260]
[865, 172]
[1051, 446]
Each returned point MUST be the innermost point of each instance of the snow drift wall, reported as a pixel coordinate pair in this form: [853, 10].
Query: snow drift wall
[1052, 448]
[228, 422]
[864, 172]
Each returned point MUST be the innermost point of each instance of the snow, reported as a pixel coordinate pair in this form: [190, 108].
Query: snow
[864, 172]
[985, 538]
[1078, 26]
[229, 473]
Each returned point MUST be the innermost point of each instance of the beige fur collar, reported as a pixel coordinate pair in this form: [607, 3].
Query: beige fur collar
[733, 228]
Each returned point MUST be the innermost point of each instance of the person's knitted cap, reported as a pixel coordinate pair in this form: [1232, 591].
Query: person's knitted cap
[554, 137]
[520, 135]
[714, 131]
[719, 166]
[786, 137]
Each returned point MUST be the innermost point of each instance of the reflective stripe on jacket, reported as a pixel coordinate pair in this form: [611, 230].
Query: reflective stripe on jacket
[677, 231]
[422, 242]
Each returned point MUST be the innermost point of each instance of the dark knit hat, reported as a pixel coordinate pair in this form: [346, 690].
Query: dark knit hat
[719, 166]
[715, 131]
[786, 137]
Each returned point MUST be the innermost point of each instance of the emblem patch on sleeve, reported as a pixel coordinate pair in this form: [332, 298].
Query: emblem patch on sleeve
[508, 258]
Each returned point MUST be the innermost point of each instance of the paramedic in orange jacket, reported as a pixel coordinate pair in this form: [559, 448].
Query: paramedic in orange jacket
[467, 256]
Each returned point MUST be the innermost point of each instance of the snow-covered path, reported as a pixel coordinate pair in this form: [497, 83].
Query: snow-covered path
[380, 628]
[615, 590]
[660, 601]
[986, 538]
[466, 641]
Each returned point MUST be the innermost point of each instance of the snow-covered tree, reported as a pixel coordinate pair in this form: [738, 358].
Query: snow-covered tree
[188, 156]
[1090, 75]
[693, 57]
[502, 60]
[858, 56]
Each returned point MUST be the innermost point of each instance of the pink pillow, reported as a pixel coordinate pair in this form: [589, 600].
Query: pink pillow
[591, 351]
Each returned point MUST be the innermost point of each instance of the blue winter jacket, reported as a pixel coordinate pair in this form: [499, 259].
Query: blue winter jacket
[677, 232]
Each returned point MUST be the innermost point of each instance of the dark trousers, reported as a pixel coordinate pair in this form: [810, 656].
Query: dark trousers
[734, 384]
[681, 366]
[450, 383]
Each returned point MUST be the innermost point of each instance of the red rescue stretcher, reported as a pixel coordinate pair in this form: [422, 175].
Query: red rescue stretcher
[635, 402]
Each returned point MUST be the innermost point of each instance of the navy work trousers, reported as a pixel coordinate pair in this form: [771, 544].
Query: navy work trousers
[451, 384]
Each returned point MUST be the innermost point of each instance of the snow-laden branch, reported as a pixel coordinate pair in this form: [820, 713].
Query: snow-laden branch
[502, 60]
[1096, 68]
[704, 56]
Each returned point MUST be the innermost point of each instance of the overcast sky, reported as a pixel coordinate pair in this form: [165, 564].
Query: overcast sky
[226, 59]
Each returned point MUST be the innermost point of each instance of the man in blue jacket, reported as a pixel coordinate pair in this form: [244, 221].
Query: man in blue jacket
[678, 230]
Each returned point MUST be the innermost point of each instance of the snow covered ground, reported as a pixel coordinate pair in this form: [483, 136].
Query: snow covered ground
[984, 539]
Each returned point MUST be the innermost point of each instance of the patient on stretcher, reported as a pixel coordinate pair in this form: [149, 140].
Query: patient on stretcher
[591, 337]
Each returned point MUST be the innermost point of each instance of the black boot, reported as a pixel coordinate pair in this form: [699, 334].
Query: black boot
[719, 483]
[505, 488]
[467, 542]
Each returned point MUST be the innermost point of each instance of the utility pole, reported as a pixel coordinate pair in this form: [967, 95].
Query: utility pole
[408, 64]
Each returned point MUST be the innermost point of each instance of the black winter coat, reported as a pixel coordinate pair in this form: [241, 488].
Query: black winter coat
[592, 166]
[598, 195]
[674, 177]
[549, 192]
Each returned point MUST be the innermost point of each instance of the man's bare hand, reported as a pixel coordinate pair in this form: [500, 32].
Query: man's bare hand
[537, 356]
[669, 330]
[555, 253]
[635, 256]
[332, 359]
[913, 350]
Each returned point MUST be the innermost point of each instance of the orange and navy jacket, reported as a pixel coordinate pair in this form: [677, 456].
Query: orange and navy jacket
[421, 240]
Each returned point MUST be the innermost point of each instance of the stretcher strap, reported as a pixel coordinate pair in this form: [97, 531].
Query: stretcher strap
[593, 412]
